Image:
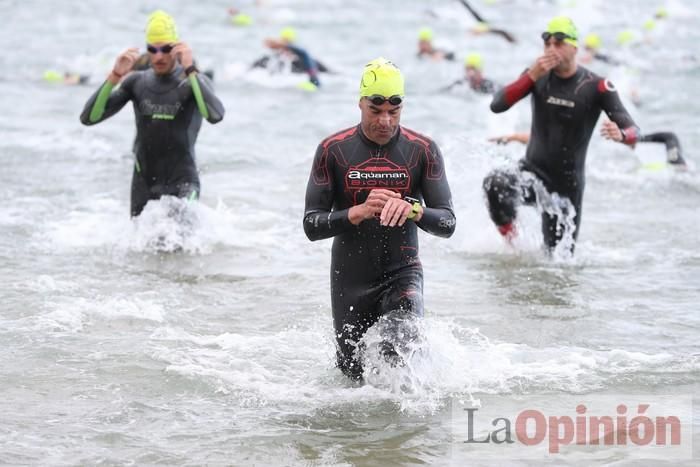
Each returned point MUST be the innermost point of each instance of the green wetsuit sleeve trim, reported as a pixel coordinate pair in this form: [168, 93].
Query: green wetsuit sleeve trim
[98, 109]
[201, 105]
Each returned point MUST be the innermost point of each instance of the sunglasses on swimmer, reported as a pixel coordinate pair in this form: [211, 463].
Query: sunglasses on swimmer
[558, 36]
[377, 99]
[166, 49]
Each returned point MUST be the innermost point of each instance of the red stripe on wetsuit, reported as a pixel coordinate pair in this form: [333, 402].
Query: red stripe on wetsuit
[517, 89]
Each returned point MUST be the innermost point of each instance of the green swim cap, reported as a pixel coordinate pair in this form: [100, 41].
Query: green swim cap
[161, 28]
[564, 25]
[661, 13]
[593, 41]
[649, 24]
[289, 34]
[241, 19]
[381, 77]
[425, 34]
[474, 60]
[625, 37]
[307, 86]
[52, 76]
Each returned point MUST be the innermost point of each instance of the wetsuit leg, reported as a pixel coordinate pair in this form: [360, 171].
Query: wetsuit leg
[356, 309]
[505, 191]
[553, 228]
[400, 305]
[353, 314]
[140, 193]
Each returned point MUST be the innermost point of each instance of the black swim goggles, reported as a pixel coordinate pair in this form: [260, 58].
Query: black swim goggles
[166, 49]
[558, 36]
[378, 99]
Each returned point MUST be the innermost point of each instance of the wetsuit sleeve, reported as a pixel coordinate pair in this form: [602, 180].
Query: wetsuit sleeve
[107, 101]
[208, 104]
[438, 215]
[509, 95]
[309, 64]
[615, 110]
[320, 220]
[670, 140]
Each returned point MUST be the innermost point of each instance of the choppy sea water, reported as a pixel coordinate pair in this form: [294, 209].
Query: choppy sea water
[117, 351]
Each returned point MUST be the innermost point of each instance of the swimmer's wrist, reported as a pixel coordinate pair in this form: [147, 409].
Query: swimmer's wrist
[416, 208]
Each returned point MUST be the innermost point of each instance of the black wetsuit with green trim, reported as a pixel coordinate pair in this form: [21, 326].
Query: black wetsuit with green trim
[169, 110]
[564, 115]
[374, 269]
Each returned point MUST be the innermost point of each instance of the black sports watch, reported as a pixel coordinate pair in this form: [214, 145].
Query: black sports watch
[191, 69]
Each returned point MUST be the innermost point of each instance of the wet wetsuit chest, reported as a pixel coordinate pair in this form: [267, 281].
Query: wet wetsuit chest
[365, 168]
[167, 125]
[160, 102]
[564, 116]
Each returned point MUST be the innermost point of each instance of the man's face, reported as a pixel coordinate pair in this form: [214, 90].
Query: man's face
[472, 73]
[379, 122]
[564, 50]
[162, 58]
[425, 46]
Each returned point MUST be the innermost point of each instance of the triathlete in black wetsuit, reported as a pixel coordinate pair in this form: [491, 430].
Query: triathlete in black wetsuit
[169, 101]
[566, 102]
[358, 192]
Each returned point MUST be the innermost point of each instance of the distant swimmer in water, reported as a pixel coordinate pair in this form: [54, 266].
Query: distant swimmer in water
[56, 77]
[170, 99]
[426, 48]
[567, 100]
[372, 186]
[288, 52]
[674, 153]
[592, 44]
[483, 26]
[239, 18]
[474, 77]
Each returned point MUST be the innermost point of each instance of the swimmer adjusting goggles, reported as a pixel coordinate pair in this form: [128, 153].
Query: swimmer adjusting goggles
[378, 99]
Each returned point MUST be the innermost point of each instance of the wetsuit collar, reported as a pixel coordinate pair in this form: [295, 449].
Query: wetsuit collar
[374, 145]
[177, 69]
[570, 76]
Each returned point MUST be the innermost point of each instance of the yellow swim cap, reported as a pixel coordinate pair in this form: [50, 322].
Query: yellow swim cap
[625, 37]
[52, 76]
[241, 19]
[592, 41]
[425, 34]
[161, 28]
[474, 60]
[566, 26]
[381, 77]
[289, 34]
[661, 13]
[649, 24]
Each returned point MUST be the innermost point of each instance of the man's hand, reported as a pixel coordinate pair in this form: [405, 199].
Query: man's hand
[396, 211]
[123, 64]
[505, 139]
[610, 130]
[544, 65]
[373, 205]
[183, 53]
